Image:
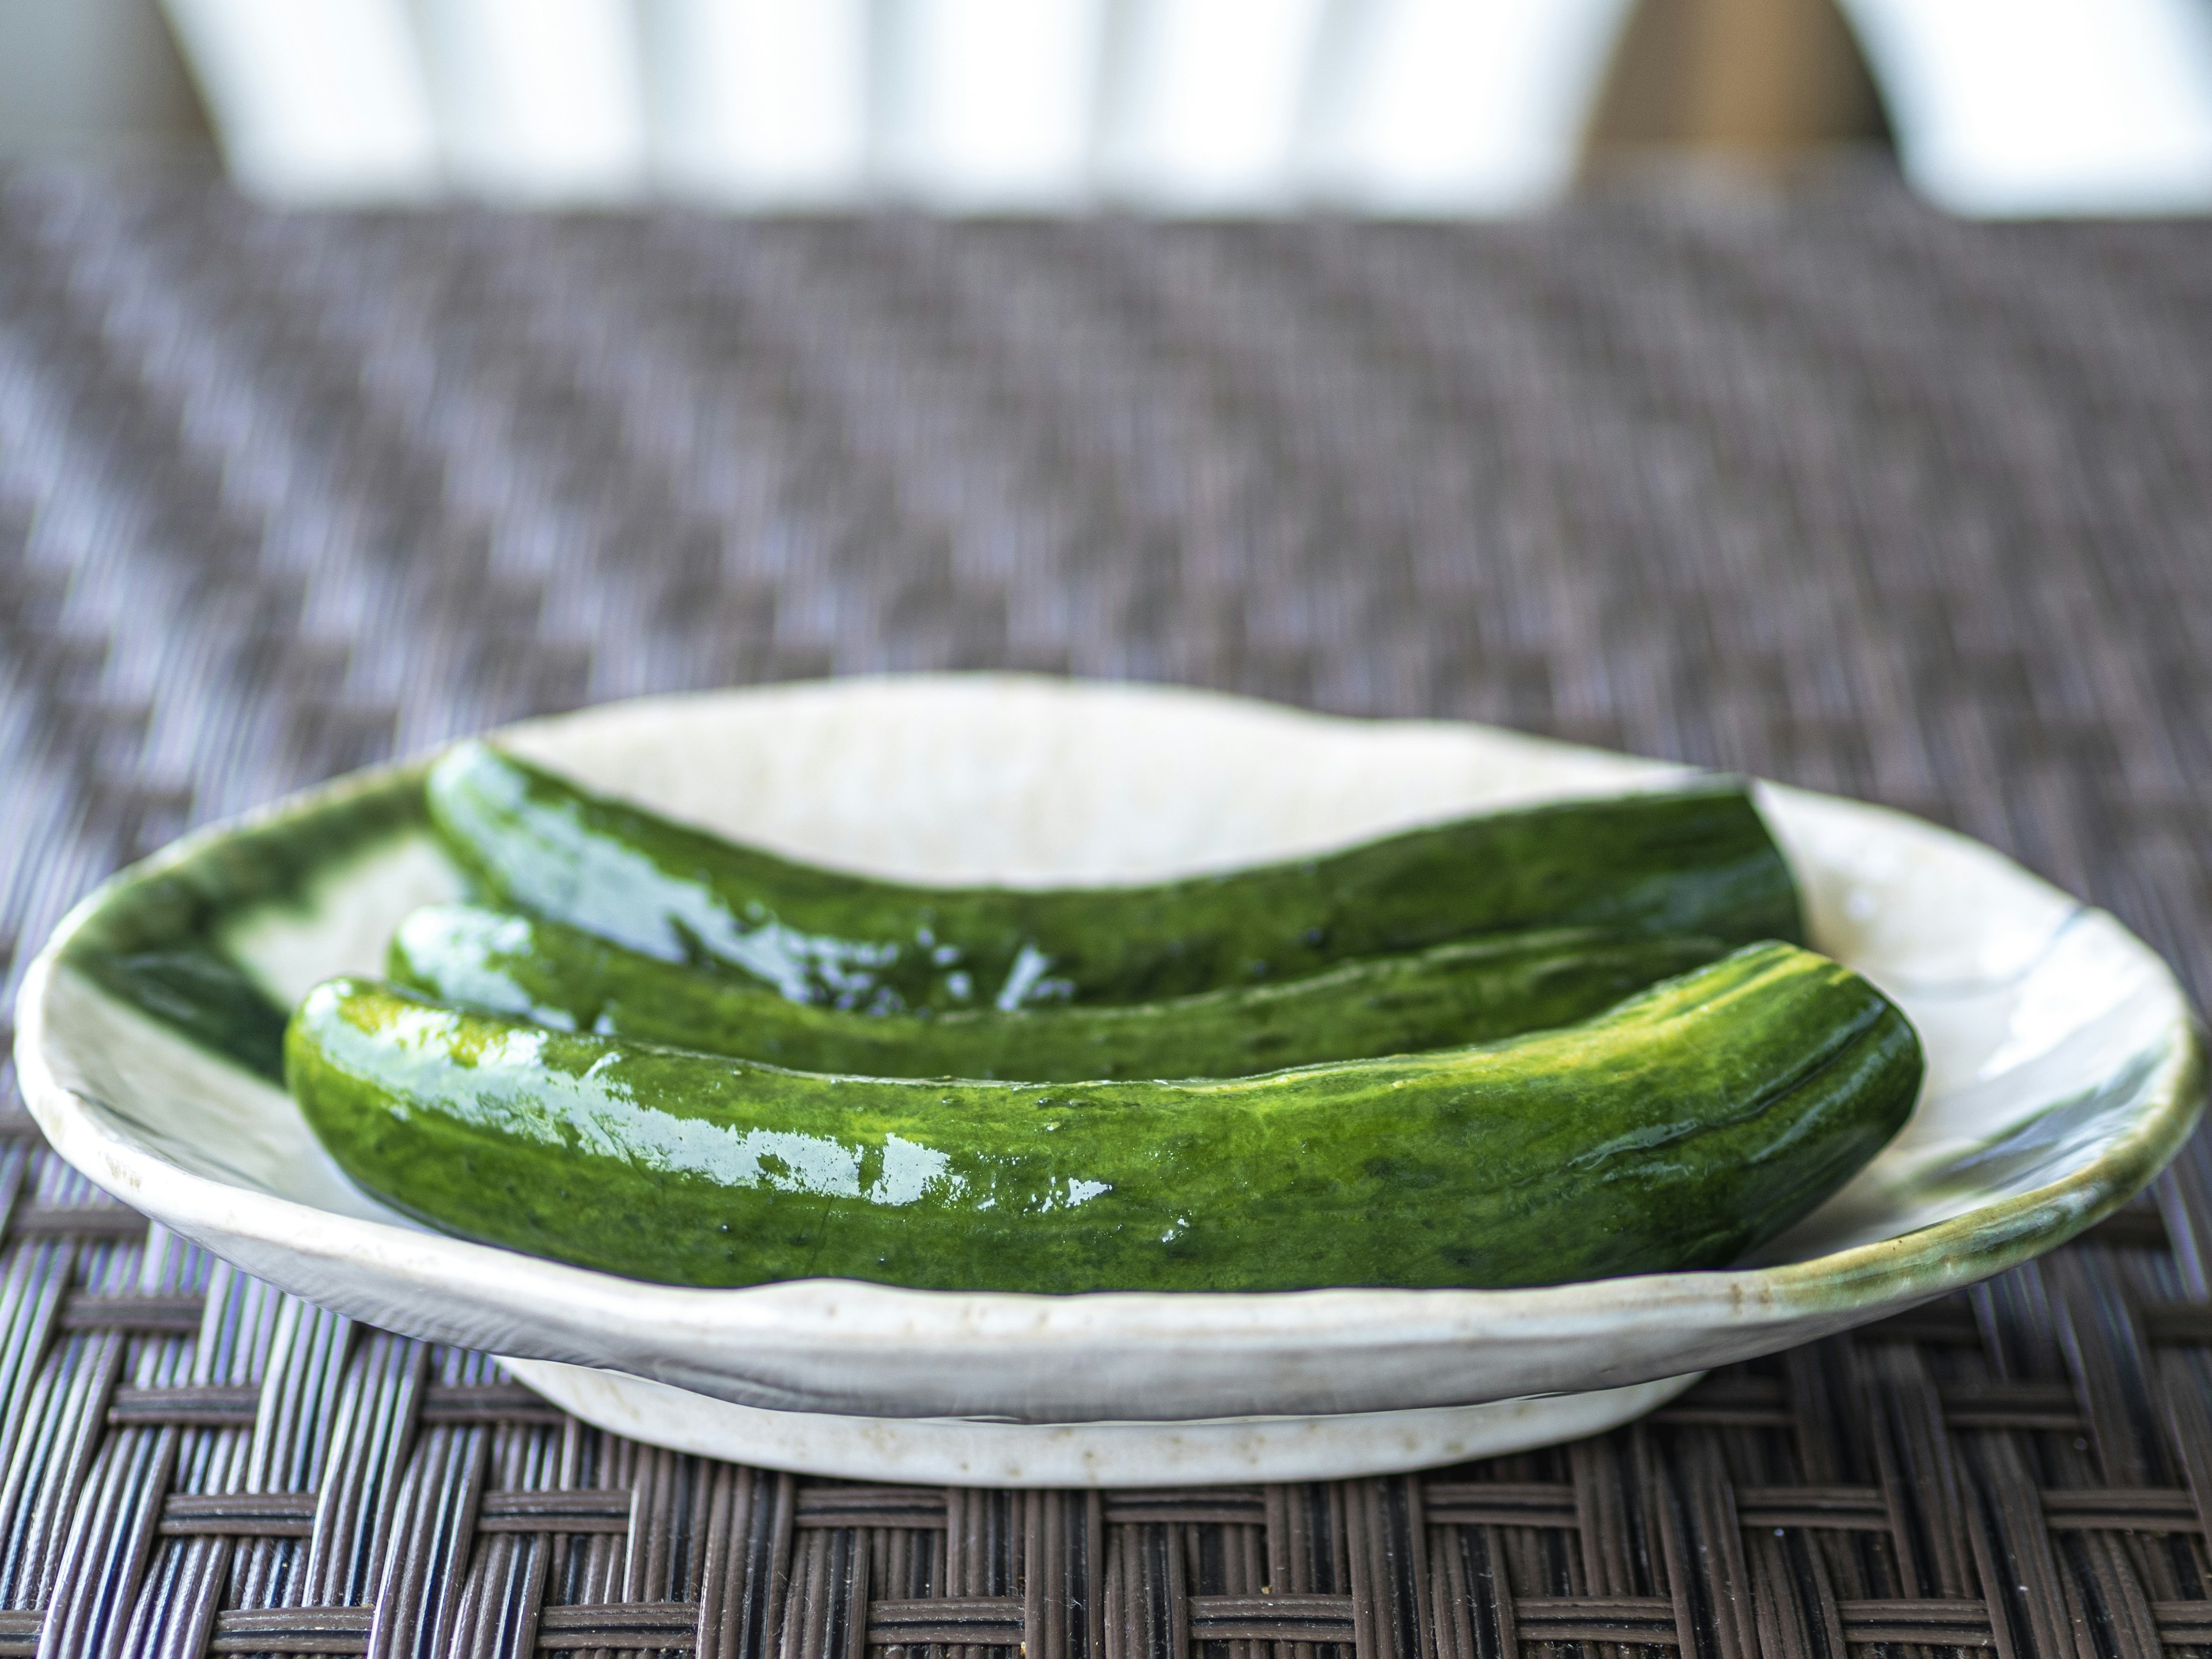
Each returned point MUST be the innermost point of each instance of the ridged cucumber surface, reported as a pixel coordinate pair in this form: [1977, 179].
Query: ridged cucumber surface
[1677, 1130]
[1448, 996]
[1694, 861]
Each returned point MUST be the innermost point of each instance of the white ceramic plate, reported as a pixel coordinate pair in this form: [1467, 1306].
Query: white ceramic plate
[2064, 1069]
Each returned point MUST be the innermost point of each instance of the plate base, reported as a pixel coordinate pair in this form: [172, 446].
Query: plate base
[965, 1452]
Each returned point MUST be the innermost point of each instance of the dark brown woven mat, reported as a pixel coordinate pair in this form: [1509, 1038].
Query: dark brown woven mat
[1827, 489]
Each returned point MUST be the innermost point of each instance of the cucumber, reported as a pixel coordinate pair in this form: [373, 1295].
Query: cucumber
[1694, 860]
[1677, 1130]
[1450, 995]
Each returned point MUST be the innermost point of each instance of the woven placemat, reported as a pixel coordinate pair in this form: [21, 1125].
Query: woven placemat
[1821, 487]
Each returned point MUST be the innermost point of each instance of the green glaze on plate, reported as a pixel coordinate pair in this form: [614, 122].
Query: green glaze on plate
[1696, 859]
[159, 935]
[1447, 997]
[1677, 1130]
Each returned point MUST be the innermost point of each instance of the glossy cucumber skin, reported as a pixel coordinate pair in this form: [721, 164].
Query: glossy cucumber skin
[1698, 860]
[1449, 996]
[1676, 1131]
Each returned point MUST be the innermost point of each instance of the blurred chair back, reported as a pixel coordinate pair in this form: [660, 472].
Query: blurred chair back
[2048, 106]
[1449, 107]
[1446, 106]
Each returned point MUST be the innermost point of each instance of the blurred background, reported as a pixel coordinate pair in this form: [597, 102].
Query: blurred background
[1446, 108]
[1849, 425]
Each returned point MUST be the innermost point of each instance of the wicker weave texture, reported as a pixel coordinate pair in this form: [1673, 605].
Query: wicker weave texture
[1826, 488]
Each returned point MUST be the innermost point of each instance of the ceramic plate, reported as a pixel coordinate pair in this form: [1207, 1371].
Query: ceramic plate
[2064, 1069]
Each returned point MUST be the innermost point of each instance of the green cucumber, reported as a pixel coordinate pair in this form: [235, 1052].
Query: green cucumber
[1448, 996]
[1694, 861]
[1677, 1130]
